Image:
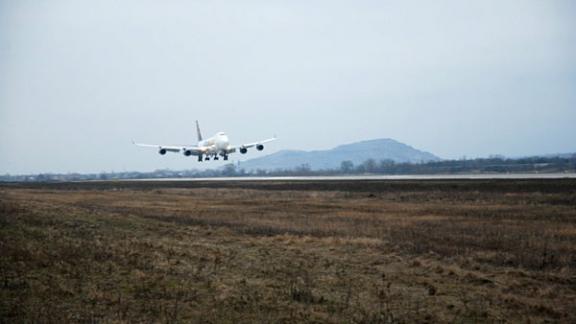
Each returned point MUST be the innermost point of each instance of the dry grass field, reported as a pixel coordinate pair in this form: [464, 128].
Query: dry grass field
[286, 252]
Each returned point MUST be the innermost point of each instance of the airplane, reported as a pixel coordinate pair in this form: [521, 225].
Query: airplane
[214, 147]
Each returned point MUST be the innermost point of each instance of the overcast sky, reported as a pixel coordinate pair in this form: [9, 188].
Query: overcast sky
[80, 79]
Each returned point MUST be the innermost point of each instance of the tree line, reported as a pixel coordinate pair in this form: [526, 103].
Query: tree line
[383, 167]
[479, 165]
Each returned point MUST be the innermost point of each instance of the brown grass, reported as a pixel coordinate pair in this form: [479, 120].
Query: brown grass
[436, 252]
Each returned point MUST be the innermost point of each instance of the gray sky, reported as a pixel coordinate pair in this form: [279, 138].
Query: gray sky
[80, 79]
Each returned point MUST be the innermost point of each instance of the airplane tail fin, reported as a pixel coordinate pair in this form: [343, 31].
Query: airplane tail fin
[198, 131]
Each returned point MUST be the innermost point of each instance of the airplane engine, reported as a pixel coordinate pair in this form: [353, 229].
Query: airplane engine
[162, 151]
[187, 152]
[243, 150]
[259, 147]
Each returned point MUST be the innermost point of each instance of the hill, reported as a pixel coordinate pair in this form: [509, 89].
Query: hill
[378, 149]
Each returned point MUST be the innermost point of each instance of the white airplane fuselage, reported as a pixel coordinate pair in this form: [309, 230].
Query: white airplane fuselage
[216, 144]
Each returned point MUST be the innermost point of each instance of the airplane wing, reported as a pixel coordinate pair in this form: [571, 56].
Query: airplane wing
[162, 149]
[258, 143]
[244, 147]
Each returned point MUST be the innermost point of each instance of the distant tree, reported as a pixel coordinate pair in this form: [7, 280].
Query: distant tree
[346, 166]
[386, 165]
[496, 157]
[303, 169]
[370, 165]
[229, 170]
[261, 172]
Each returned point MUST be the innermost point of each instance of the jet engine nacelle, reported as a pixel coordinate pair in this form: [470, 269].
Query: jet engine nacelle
[243, 150]
[259, 147]
[162, 151]
[187, 152]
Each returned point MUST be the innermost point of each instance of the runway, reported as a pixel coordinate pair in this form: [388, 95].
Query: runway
[511, 176]
[367, 183]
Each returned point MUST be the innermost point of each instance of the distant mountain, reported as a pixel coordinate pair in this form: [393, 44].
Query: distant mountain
[378, 149]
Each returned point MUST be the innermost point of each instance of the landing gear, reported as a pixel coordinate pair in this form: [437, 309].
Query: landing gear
[214, 157]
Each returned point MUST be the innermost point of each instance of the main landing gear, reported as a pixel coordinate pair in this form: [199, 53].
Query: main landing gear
[214, 157]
